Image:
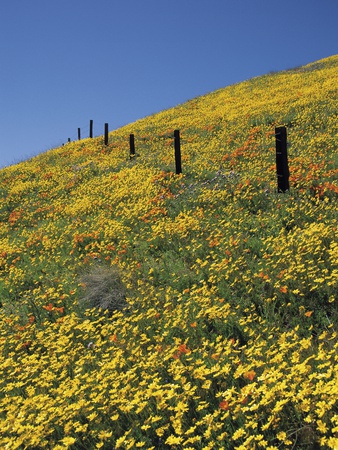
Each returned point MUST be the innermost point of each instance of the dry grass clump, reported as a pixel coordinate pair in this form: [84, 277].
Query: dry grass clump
[103, 289]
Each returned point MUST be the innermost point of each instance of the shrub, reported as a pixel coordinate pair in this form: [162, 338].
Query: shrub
[103, 289]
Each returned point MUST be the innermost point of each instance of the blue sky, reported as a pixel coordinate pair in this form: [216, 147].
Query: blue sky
[65, 62]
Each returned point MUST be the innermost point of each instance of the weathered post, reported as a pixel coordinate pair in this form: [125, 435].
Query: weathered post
[79, 134]
[132, 145]
[177, 143]
[90, 128]
[282, 166]
[105, 134]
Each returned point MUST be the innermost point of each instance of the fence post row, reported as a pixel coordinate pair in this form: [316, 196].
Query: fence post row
[282, 166]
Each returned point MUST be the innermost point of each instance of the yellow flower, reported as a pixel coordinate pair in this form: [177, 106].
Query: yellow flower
[238, 434]
[173, 440]
[105, 434]
[68, 440]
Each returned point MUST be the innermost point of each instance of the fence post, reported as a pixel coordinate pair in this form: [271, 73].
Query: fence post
[132, 145]
[282, 159]
[177, 143]
[90, 128]
[79, 134]
[105, 134]
[68, 139]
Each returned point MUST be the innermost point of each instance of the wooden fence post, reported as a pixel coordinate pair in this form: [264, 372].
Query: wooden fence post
[105, 134]
[79, 134]
[177, 143]
[68, 139]
[90, 128]
[282, 166]
[132, 145]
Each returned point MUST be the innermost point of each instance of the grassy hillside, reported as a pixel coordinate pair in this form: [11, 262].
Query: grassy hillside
[141, 308]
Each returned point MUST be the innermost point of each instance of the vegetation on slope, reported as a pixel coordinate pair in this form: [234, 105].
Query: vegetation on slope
[216, 323]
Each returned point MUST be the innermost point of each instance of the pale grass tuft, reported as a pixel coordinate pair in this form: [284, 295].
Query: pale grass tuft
[103, 289]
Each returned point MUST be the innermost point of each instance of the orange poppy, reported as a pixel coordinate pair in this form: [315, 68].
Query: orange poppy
[250, 375]
[224, 405]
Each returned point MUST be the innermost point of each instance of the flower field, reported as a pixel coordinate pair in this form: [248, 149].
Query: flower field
[145, 309]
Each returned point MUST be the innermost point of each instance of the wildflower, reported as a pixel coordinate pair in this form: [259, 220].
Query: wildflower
[183, 349]
[250, 375]
[68, 440]
[105, 434]
[173, 440]
[224, 405]
[240, 432]
[48, 307]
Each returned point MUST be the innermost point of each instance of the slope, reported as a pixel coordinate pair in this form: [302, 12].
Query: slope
[218, 293]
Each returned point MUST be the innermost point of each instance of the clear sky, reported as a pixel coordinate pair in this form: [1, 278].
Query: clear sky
[65, 62]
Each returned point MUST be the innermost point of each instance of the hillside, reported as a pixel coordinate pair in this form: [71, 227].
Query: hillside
[141, 308]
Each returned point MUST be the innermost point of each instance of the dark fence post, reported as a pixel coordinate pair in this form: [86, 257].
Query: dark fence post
[282, 159]
[79, 134]
[90, 128]
[68, 139]
[177, 143]
[132, 145]
[105, 134]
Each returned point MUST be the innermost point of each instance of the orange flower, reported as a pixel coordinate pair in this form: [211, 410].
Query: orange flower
[250, 375]
[176, 355]
[308, 313]
[281, 274]
[48, 307]
[214, 243]
[283, 289]
[26, 345]
[224, 405]
[263, 275]
[183, 349]
[245, 400]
